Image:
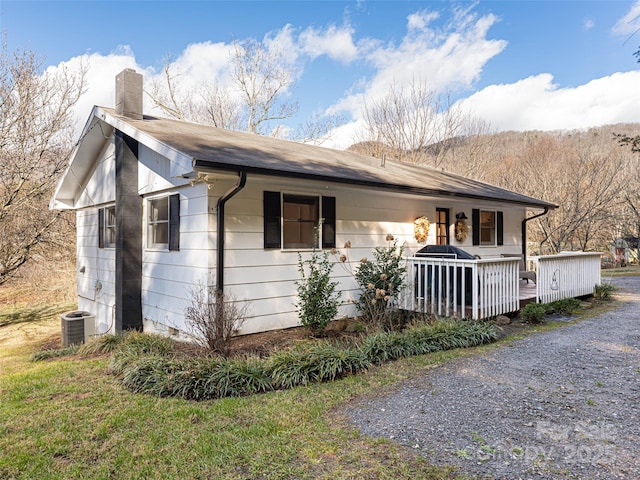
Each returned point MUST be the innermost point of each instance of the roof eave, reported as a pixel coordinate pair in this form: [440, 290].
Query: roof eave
[207, 165]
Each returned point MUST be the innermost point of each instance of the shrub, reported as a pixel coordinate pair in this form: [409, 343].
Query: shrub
[604, 291]
[534, 312]
[314, 362]
[136, 345]
[146, 366]
[380, 281]
[101, 344]
[317, 297]
[213, 317]
[565, 306]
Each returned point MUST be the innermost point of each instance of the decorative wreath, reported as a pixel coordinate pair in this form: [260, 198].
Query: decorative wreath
[421, 229]
[461, 230]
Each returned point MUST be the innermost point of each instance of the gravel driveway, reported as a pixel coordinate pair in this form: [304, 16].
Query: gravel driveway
[561, 404]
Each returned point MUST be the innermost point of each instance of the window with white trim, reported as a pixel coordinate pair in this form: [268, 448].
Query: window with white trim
[107, 227]
[163, 222]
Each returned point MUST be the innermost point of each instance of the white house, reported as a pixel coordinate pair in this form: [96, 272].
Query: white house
[164, 205]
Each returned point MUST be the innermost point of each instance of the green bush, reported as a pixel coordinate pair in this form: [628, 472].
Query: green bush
[317, 297]
[567, 306]
[604, 291]
[150, 366]
[101, 344]
[534, 312]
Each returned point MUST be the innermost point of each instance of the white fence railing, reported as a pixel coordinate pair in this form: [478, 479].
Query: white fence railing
[484, 288]
[566, 275]
[451, 287]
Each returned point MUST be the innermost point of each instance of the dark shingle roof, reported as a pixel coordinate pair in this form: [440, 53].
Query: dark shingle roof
[214, 148]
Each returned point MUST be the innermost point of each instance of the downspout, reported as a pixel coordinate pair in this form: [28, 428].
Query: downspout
[524, 232]
[242, 180]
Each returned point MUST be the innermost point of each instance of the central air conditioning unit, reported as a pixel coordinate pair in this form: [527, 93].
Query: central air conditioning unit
[77, 327]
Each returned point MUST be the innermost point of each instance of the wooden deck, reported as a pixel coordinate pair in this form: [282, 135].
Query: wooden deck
[527, 292]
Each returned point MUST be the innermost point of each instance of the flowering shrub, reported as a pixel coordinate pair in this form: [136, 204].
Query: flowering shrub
[380, 281]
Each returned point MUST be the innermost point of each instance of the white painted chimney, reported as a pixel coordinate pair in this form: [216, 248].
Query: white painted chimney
[129, 94]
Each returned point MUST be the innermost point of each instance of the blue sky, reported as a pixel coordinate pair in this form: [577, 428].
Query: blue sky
[517, 64]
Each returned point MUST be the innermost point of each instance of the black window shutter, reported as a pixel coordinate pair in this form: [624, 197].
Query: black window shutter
[101, 228]
[174, 222]
[499, 229]
[271, 204]
[329, 224]
[475, 220]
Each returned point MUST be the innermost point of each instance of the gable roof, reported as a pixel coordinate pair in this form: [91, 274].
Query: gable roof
[208, 148]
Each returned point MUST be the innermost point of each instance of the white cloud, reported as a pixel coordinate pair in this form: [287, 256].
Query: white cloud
[448, 58]
[100, 79]
[203, 62]
[285, 43]
[630, 23]
[420, 20]
[536, 103]
[588, 24]
[334, 42]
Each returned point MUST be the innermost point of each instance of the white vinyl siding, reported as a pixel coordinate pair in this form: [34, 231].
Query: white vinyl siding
[95, 277]
[169, 276]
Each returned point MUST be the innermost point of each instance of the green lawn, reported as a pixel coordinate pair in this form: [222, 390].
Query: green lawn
[69, 418]
[630, 270]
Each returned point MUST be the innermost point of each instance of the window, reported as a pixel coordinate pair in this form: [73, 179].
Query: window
[487, 227]
[442, 226]
[300, 217]
[163, 222]
[295, 221]
[107, 227]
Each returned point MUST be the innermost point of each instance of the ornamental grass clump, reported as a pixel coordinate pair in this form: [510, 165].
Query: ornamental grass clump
[152, 365]
[314, 362]
[101, 344]
[604, 291]
[54, 353]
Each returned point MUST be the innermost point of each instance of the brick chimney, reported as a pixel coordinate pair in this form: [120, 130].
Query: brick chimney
[129, 94]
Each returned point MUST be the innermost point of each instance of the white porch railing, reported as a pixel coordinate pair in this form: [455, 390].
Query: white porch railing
[566, 275]
[477, 289]
[484, 288]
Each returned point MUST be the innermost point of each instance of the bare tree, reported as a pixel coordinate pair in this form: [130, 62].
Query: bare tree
[166, 94]
[582, 179]
[35, 141]
[262, 79]
[413, 124]
[255, 100]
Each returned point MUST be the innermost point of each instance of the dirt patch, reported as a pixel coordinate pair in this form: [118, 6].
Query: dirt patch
[264, 343]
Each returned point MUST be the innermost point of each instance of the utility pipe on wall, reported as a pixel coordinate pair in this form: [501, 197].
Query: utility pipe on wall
[242, 180]
[524, 232]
